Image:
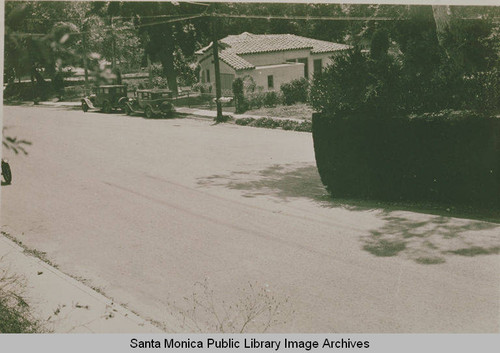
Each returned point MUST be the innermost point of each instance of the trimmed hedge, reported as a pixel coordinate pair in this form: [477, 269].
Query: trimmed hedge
[444, 157]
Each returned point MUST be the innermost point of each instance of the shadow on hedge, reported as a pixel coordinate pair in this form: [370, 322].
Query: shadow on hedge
[426, 234]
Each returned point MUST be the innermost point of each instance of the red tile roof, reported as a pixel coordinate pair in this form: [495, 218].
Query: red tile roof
[248, 43]
[235, 61]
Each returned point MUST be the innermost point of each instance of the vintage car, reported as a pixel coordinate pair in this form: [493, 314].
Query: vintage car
[107, 97]
[152, 102]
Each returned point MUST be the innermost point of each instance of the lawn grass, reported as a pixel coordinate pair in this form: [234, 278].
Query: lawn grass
[297, 111]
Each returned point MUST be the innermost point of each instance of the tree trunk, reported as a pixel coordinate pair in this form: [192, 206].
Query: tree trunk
[167, 61]
[442, 17]
[215, 51]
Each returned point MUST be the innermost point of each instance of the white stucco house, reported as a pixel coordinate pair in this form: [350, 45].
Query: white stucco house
[270, 59]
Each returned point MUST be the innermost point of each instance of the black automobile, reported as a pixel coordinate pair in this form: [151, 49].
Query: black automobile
[107, 98]
[151, 102]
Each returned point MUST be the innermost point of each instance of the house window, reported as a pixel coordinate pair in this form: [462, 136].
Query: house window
[208, 75]
[270, 82]
[318, 66]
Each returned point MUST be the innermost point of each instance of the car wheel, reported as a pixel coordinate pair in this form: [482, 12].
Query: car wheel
[126, 109]
[149, 112]
[85, 107]
[106, 107]
[7, 175]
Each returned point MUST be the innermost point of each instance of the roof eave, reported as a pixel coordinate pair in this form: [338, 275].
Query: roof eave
[273, 51]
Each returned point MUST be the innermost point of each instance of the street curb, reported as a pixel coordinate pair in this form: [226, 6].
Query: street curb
[123, 318]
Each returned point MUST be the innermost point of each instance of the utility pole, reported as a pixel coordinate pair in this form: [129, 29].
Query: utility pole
[150, 71]
[113, 44]
[85, 59]
[215, 50]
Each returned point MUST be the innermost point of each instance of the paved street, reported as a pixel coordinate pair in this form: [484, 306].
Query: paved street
[145, 209]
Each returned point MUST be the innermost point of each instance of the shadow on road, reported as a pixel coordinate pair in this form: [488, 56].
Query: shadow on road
[280, 181]
[425, 234]
[427, 239]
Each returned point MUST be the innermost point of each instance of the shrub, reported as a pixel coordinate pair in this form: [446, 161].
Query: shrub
[289, 124]
[240, 102]
[244, 121]
[482, 91]
[356, 83]
[409, 83]
[271, 99]
[295, 91]
[305, 126]
[265, 122]
[255, 100]
[285, 124]
[446, 157]
[25, 91]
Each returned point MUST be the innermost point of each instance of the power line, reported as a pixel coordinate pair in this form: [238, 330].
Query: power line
[311, 18]
[170, 21]
[333, 18]
[270, 17]
[109, 28]
[71, 19]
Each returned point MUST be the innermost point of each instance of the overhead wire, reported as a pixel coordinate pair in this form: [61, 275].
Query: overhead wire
[179, 18]
[310, 18]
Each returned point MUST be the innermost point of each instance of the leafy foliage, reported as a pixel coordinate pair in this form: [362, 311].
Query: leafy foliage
[417, 74]
[285, 124]
[296, 91]
[240, 102]
[12, 143]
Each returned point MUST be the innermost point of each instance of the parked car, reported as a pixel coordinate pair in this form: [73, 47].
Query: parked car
[151, 102]
[107, 97]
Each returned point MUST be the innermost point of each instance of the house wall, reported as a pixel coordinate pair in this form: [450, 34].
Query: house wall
[326, 59]
[281, 74]
[280, 57]
[208, 63]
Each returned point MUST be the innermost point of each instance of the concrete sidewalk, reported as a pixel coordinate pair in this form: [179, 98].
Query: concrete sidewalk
[61, 303]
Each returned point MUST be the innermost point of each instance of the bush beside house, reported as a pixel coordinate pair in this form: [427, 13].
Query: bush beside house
[296, 91]
[411, 126]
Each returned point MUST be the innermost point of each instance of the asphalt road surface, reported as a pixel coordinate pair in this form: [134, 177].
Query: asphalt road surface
[167, 216]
